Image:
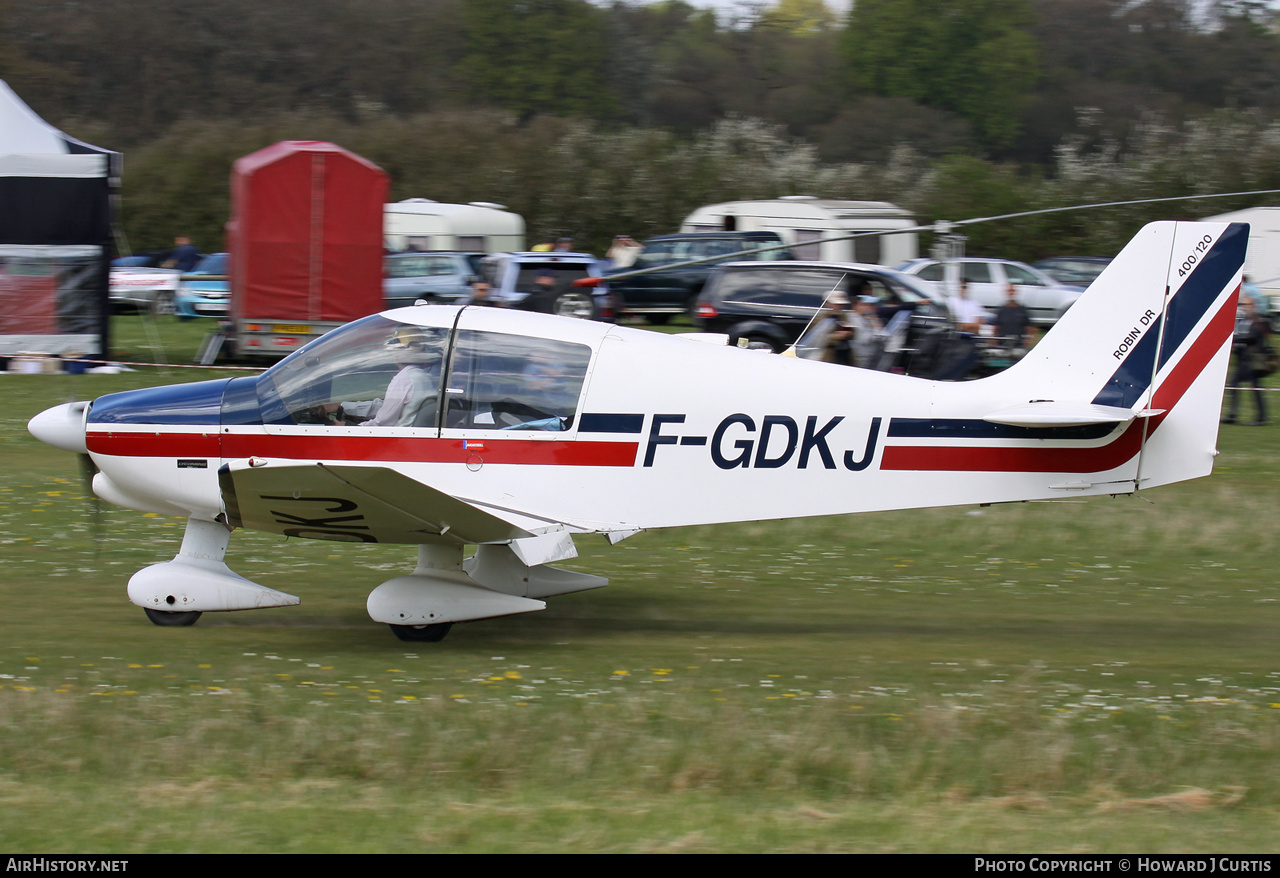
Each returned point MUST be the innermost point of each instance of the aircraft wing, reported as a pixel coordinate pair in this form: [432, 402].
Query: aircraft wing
[370, 504]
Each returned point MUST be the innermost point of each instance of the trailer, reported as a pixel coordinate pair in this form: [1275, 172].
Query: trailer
[477, 227]
[803, 220]
[305, 244]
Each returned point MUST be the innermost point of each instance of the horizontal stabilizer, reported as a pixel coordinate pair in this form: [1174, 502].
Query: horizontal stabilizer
[1047, 413]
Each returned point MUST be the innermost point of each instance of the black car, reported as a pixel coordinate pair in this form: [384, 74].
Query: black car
[664, 294]
[773, 304]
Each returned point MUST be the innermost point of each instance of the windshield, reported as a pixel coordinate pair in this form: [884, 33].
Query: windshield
[215, 263]
[1072, 271]
[808, 287]
[561, 272]
[374, 372]
[667, 252]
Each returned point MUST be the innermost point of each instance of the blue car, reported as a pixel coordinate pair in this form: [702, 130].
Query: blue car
[206, 290]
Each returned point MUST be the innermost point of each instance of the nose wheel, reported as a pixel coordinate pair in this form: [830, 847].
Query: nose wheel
[171, 620]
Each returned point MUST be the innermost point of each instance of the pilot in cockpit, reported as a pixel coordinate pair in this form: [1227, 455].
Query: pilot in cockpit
[410, 400]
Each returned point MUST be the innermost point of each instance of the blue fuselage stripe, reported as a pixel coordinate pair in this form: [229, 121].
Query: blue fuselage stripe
[610, 423]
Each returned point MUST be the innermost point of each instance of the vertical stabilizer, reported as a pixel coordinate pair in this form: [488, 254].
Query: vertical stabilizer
[1152, 336]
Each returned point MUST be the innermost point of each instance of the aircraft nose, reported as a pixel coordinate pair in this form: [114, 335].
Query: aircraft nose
[61, 426]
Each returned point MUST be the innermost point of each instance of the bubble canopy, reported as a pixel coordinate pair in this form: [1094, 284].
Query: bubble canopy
[491, 380]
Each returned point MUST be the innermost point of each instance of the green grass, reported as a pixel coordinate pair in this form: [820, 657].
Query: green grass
[1096, 676]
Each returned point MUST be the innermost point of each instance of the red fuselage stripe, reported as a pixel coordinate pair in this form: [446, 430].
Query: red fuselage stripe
[370, 448]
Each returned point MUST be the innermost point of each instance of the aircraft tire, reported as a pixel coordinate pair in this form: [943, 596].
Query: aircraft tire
[422, 633]
[171, 620]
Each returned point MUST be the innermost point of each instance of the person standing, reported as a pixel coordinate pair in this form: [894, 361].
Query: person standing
[623, 252]
[481, 294]
[968, 314]
[1250, 347]
[1013, 327]
[183, 256]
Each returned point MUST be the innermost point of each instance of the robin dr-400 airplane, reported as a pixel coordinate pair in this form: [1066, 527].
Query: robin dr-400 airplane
[444, 427]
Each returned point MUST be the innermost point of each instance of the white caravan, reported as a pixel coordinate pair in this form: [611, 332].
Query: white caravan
[423, 224]
[803, 220]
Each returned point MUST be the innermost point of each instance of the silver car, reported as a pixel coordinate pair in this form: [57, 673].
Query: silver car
[1044, 298]
[436, 276]
[136, 284]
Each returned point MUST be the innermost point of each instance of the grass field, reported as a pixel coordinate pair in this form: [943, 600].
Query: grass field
[1101, 676]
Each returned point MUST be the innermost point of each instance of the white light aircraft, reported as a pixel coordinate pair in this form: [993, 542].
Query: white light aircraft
[446, 426]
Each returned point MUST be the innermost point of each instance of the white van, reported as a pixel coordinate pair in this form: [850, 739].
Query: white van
[423, 224]
[803, 220]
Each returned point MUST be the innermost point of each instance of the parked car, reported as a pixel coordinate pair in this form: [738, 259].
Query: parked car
[206, 290]
[1045, 298]
[772, 304]
[433, 276]
[664, 294]
[513, 281]
[1075, 271]
[139, 282]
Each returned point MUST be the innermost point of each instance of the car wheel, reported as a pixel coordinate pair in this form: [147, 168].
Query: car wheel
[162, 305]
[758, 341]
[574, 304]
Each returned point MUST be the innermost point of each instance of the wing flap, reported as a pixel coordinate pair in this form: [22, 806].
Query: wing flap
[368, 504]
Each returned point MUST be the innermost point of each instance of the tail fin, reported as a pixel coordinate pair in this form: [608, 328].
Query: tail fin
[1150, 341]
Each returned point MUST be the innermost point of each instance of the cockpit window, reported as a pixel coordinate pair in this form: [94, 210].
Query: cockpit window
[512, 382]
[374, 372]
[382, 373]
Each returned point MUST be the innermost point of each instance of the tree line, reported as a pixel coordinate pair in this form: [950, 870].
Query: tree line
[597, 119]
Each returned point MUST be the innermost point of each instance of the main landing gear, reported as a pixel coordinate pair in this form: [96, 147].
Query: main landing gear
[421, 633]
[172, 620]
[500, 579]
[175, 593]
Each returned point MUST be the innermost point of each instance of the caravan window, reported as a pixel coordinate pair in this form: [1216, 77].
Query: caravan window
[867, 249]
